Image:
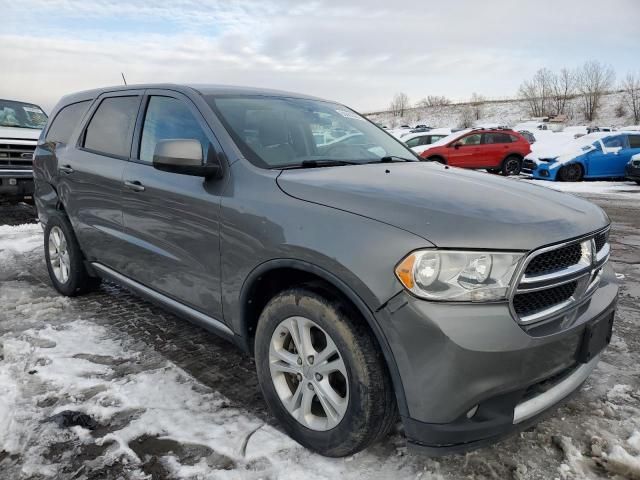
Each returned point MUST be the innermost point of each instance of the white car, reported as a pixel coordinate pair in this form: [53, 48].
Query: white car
[20, 127]
[418, 142]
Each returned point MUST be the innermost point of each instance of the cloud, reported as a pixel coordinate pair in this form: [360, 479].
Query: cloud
[359, 52]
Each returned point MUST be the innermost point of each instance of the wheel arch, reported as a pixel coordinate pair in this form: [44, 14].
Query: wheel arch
[512, 154]
[577, 163]
[277, 275]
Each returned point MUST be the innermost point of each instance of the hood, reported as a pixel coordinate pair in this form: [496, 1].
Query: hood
[16, 133]
[449, 207]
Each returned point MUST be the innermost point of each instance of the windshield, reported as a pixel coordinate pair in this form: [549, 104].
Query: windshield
[21, 115]
[277, 132]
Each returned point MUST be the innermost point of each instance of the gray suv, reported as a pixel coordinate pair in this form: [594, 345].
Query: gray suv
[367, 285]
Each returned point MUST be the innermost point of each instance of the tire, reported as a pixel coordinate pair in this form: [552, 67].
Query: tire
[638, 182]
[65, 261]
[512, 165]
[360, 389]
[571, 173]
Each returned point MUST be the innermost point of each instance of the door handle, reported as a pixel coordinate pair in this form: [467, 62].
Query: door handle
[134, 185]
[65, 169]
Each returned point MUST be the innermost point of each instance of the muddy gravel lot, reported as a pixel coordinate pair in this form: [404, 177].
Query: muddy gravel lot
[108, 386]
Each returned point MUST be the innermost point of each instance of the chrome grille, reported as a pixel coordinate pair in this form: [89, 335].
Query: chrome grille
[553, 279]
[555, 260]
[529, 303]
[16, 156]
[601, 239]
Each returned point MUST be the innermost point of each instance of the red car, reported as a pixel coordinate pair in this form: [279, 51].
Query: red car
[497, 150]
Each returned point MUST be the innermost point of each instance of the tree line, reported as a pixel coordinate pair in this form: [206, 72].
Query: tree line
[549, 93]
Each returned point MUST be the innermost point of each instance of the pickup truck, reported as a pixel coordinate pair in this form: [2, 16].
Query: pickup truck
[20, 127]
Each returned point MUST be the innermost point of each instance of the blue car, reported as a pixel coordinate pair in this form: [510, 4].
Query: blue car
[594, 156]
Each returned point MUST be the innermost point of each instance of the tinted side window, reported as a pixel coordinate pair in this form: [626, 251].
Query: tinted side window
[66, 121]
[109, 131]
[634, 141]
[497, 138]
[471, 139]
[168, 118]
[613, 142]
[414, 142]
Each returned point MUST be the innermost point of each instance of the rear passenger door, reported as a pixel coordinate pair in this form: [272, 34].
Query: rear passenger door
[172, 220]
[495, 147]
[90, 176]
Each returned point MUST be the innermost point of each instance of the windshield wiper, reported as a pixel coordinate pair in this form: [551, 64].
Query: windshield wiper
[21, 126]
[394, 158]
[317, 163]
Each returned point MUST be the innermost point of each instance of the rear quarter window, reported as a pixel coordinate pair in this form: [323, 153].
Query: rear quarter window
[65, 122]
[109, 130]
[497, 138]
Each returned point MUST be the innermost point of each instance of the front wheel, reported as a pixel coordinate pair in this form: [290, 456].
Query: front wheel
[322, 373]
[571, 173]
[511, 165]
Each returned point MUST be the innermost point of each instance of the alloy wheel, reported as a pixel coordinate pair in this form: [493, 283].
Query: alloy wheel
[59, 258]
[308, 373]
[513, 166]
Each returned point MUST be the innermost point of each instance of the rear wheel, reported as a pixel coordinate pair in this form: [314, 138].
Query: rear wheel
[571, 173]
[65, 261]
[322, 373]
[512, 165]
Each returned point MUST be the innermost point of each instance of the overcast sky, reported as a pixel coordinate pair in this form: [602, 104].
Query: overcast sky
[359, 52]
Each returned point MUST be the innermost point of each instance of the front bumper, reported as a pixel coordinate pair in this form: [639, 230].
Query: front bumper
[632, 172]
[16, 184]
[471, 374]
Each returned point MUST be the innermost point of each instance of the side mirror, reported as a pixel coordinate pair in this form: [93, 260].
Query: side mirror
[184, 156]
[457, 145]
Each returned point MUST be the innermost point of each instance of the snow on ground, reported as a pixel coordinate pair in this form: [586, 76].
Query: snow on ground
[624, 188]
[166, 409]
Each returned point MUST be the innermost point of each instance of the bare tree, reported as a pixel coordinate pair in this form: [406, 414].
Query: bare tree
[562, 86]
[434, 101]
[467, 116]
[477, 105]
[593, 80]
[536, 92]
[399, 104]
[631, 92]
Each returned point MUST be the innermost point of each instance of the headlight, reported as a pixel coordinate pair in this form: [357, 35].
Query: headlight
[458, 276]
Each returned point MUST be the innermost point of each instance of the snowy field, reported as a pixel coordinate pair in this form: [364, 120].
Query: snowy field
[168, 400]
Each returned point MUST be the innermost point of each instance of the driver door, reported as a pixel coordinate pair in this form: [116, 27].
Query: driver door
[171, 220]
[466, 151]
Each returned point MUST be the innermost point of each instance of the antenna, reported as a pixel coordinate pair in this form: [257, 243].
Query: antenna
[123, 79]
